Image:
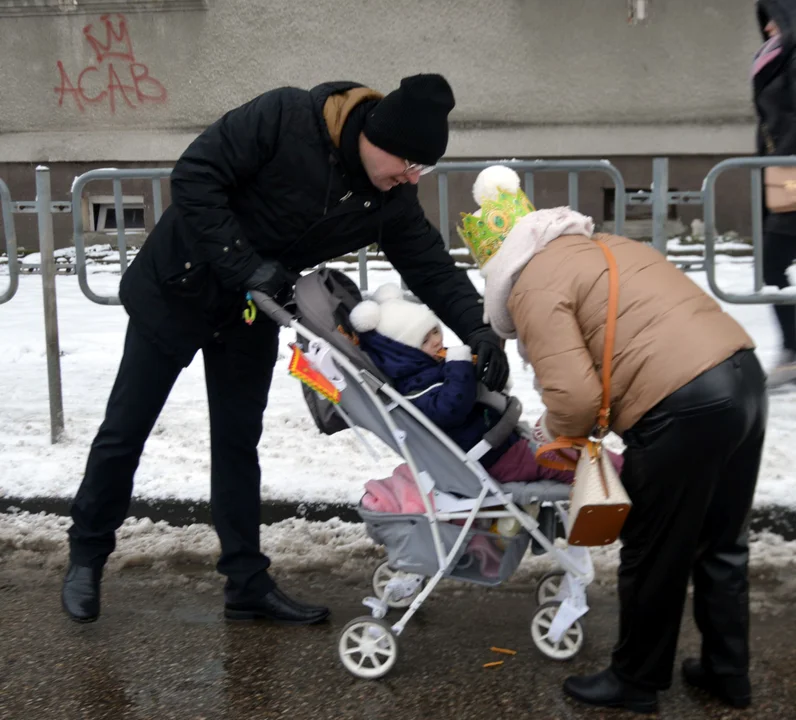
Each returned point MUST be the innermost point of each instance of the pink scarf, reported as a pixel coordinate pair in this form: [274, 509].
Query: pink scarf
[771, 49]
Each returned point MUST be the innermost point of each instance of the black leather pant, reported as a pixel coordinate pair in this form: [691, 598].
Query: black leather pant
[690, 469]
[238, 371]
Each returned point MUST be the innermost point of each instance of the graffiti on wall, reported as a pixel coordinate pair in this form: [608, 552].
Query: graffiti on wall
[114, 76]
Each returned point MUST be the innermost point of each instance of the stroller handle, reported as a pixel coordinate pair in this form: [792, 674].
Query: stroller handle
[505, 426]
[272, 308]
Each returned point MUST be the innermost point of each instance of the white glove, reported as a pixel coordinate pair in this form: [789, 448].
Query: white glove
[458, 353]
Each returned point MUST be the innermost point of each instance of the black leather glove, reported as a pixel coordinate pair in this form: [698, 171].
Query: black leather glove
[492, 368]
[273, 279]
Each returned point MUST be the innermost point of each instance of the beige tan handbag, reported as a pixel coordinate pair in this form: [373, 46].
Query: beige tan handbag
[599, 504]
[780, 189]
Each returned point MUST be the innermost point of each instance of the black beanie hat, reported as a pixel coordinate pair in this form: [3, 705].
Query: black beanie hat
[412, 121]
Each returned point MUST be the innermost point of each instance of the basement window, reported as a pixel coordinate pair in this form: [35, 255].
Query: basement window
[103, 214]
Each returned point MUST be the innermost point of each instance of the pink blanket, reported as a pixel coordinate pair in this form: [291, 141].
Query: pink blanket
[396, 494]
[399, 494]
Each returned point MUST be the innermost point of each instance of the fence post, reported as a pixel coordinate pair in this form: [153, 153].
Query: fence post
[6, 210]
[47, 248]
[660, 202]
[757, 226]
[444, 222]
[574, 200]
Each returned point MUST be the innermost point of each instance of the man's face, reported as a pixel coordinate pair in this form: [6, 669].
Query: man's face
[385, 171]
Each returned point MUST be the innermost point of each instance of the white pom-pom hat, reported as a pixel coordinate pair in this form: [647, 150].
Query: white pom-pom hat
[398, 319]
[492, 180]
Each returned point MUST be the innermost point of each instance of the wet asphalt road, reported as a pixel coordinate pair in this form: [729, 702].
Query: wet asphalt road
[162, 650]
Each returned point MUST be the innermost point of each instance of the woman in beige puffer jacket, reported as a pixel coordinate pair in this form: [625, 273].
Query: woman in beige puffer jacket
[688, 398]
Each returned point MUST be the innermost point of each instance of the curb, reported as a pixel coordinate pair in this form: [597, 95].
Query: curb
[777, 519]
[189, 512]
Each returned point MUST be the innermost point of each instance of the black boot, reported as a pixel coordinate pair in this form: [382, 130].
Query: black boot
[277, 607]
[605, 689]
[734, 690]
[80, 595]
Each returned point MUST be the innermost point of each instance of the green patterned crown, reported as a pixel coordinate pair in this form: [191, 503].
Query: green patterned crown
[485, 234]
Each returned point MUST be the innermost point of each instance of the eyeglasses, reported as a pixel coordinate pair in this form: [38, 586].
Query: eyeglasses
[417, 168]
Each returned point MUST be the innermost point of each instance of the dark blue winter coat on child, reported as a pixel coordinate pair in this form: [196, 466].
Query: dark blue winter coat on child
[443, 390]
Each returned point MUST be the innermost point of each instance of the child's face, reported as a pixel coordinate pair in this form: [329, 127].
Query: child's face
[433, 342]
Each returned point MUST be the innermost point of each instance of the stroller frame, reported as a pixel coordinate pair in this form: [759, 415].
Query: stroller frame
[555, 626]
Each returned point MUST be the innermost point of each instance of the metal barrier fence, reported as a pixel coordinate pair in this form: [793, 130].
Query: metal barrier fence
[154, 174]
[7, 210]
[659, 197]
[572, 167]
[756, 165]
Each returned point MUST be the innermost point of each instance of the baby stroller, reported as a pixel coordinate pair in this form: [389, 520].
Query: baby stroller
[457, 493]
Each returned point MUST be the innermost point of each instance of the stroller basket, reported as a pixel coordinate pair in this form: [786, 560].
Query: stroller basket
[410, 548]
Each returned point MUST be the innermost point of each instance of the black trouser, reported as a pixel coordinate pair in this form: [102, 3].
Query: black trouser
[779, 251]
[238, 370]
[690, 469]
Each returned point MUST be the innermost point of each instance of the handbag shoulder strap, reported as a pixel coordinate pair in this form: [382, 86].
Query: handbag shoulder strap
[604, 416]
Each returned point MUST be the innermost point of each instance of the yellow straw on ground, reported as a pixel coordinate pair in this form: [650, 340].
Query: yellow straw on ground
[493, 664]
[503, 651]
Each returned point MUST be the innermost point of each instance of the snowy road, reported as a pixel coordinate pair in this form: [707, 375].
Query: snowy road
[161, 649]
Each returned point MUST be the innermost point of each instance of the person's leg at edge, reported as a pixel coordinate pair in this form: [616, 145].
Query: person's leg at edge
[238, 371]
[142, 385]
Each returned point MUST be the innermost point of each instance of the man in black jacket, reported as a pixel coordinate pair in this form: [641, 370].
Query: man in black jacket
[280, 184]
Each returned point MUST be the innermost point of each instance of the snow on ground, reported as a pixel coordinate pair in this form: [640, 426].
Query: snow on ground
[298, 463]
[294, 545]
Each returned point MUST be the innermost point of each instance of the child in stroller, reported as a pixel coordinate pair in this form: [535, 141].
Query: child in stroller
[404, 341]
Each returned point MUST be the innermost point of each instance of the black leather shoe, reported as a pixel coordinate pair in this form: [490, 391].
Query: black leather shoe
[80, 595]
[734, 690]
[276, 607]
[605, 689]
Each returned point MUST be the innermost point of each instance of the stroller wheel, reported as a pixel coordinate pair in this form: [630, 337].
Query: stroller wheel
[407, 581]
[548, 587]
[368, 648]
[570, 642]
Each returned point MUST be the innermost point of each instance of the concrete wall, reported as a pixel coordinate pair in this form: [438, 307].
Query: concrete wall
[531, 77]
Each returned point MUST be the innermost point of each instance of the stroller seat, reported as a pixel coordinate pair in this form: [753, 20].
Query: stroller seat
[324, 300]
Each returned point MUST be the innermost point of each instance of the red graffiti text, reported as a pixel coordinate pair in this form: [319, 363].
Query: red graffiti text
[116, 77]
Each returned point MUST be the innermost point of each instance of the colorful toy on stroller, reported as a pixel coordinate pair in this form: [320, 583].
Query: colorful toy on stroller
[468, 527]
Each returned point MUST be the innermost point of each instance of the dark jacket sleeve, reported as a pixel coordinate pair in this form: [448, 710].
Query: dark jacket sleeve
[447, 405]
[417, 252]
[228, 153]
[788, 144]
[780, 103]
